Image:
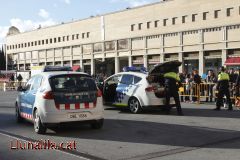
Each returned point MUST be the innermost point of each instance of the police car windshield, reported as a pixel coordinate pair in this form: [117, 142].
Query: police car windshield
[72, 83]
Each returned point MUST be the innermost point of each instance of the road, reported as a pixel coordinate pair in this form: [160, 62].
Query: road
[201, 134]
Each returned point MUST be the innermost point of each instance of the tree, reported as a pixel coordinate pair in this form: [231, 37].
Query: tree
[2, 59]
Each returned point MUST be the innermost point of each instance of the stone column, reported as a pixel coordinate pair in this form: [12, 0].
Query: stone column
[145, 61]
[92, 66]
[180, 58]
[201, 63]
[130, 61]
[224, 56]
[71, 61]
[62, 57]
[116, 65]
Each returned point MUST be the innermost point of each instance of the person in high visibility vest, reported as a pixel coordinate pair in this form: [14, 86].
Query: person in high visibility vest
[171, 83]
[223, 89]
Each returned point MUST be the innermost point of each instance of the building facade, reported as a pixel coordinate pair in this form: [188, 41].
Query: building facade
[202, 34]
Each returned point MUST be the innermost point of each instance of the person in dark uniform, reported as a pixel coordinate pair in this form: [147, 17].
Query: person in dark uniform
[223, 89]
[171, 90]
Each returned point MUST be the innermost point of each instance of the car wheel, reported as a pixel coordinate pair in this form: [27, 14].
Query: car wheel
[134, 105]
[98, 124]
[19, 119]
[38, 126]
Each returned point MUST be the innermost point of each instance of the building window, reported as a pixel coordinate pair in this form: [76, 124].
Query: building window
[165, 22]
[139, 26]
[132, 27]
[32, 44]
[35, 43]
[39, 42]
[55, 40]
[109, 46]
[205, 15]
[59, 39]
[194, 17]
[19, 46]
[22, 45]
[88, 33]
[63, 38]
[77, 36]
[229, 12]
[156, 23]
[174, 20]
[97, 47]
[51, 40]
[73, 37]
[216, 13]
[123, 44]
[184, 19]
[148, 25]
[67, 38]
[46, 41]
[83, 35]
[42, 42]
[25, 44]
[239, 10]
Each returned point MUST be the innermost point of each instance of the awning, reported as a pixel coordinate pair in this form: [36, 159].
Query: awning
[76, 68]
[232, 61]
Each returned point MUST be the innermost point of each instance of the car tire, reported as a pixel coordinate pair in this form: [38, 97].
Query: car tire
[19, 119]
[98, 124]
[38, 126]
[134, 105]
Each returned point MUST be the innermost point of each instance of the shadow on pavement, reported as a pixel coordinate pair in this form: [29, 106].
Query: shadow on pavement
[142, 132]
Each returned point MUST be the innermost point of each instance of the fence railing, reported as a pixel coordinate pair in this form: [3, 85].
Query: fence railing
[10, 85]
[197, 92]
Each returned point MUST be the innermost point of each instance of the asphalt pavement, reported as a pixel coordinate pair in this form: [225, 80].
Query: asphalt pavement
[201, 134]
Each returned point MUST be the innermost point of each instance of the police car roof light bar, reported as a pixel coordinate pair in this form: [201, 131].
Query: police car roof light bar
[57, 68]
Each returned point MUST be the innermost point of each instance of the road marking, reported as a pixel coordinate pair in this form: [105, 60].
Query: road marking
[180, 150]
[69, 152]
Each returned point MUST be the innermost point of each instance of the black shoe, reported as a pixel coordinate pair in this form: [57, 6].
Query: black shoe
[217, 109]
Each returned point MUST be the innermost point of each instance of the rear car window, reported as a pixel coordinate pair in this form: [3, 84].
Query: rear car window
[72, 83]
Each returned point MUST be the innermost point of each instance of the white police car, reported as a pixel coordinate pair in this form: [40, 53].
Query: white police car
[131, 89]
[58, 95]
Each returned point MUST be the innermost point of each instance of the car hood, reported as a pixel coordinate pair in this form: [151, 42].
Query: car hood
[165, 67]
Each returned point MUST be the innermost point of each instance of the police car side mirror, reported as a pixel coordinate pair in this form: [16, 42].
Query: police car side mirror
[21, 89]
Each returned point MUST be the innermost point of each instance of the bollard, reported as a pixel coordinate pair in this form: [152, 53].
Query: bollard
[4, 86]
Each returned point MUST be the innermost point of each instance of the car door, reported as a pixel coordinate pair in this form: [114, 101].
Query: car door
[31, 96]
[124, 89]
[24, 97]
[109, 91]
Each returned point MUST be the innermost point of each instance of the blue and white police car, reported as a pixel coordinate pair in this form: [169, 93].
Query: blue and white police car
[131, 89]
[58, 95]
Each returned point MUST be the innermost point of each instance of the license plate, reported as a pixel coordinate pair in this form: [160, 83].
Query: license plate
[77, 115]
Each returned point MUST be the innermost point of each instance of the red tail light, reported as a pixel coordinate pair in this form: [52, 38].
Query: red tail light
[150, 89]
[99, 93]
[48, 95]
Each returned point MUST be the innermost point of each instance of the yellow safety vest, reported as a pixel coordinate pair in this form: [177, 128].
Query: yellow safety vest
[223, 76]
[172, 75]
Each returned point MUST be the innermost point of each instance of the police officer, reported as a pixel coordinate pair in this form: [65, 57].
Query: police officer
[171, 89]
[223, 89]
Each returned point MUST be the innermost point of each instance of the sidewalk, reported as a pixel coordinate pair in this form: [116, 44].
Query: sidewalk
[8, 98]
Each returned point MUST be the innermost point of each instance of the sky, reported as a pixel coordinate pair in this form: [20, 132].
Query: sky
[29, 14]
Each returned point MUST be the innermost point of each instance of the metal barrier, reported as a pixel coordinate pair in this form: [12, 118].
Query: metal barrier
[11, 85]
[202, 90]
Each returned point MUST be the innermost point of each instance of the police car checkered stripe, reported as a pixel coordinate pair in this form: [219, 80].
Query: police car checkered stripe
[25, 115]
[76, 106]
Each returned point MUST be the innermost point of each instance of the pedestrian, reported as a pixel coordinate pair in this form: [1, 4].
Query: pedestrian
[188, 87]
[196, 83]
[171, 89]
[223, 89]
[237, 90]
[182, 77]
[210, 80]
[20, 78]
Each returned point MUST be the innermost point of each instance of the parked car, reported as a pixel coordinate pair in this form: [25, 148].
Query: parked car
[54, 96]
[131, 89]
